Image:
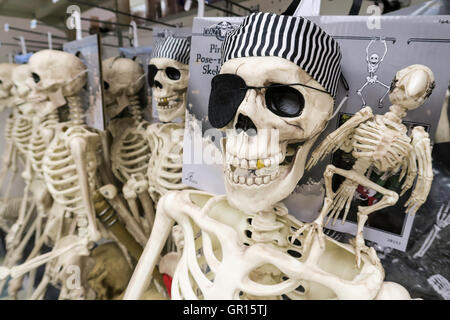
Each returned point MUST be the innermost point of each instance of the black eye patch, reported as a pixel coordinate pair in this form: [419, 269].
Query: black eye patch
[227, 93]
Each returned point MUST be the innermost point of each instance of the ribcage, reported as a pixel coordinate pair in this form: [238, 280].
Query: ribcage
[37, 144]
[383, 142]
[9, 127]
[166, 163]
[209, 252]
[21, 133]
[130, 154]
[61, 175]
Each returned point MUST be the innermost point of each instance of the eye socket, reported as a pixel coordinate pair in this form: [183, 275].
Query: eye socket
[36, 77]
[1, 81]
[284, 101]
[152, 71]
[173, 73]
[105, 85]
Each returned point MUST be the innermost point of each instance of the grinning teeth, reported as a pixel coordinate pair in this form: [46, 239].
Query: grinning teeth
[244, 164]
[266, 179]
[249, 181]
[258, 180]
[252, 164]
[241, 180]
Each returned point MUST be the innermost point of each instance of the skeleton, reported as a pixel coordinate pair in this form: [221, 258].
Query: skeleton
[441, 285]
[6, 84]
[10, 157]
[373, 63]
[130, 150]
[250, 252]
[69, 162]
[165, 164]
[380, 141]
[442, 221]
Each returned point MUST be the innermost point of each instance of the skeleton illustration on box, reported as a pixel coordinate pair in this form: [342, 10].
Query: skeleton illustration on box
[380, 142]
[442, 222]
[373, 63]
[273, 98]
[130, 150]
[441, 285]
[168, 75]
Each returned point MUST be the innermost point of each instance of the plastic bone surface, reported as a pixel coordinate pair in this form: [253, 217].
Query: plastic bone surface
[6, 84]
[265, 154]
[381, 142]
[165, 166]
[170, 92]
[69, 163]
[130, 150]
[250, 256]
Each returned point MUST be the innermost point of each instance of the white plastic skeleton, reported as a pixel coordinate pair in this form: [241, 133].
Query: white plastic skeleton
[442, 221]
[69, 162]
[380, 142]
[441, 285]
[6, 85]
[373, 63]
[37, 109]
[165, 164]
[130, 150]
[10, 156]
[241, 245]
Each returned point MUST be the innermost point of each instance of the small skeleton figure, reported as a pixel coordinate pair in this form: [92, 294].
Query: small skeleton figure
[441, 285]
[442, 221]
[380, 141]
[240, 245]
[373, 63]
[168, 76]
[130, 150]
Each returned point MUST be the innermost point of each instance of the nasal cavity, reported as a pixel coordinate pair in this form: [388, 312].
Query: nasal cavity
[245, 124]
[158, 84]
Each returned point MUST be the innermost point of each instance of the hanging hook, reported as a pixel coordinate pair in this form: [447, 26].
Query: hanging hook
[50, 42]
[134, 33]
[201, 7]
[23, 45]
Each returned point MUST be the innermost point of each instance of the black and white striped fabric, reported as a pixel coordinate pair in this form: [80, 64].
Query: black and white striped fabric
[293, 38]
[173, 48]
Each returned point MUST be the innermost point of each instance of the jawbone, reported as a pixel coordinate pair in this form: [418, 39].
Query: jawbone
[255, 198]
[171, 107]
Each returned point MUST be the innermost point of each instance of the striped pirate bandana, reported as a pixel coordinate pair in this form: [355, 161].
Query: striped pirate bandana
[293, 38]
[173, 48]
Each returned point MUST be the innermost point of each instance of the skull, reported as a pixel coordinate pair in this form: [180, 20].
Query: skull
[122, 78]
[411, 86]
[111, 273]
[57, 74]
[6, 84]
[170, 88]
[23, 83]
[374, 58]
[265, 153]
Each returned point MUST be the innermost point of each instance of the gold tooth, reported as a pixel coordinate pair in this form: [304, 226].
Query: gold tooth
[260, 164]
